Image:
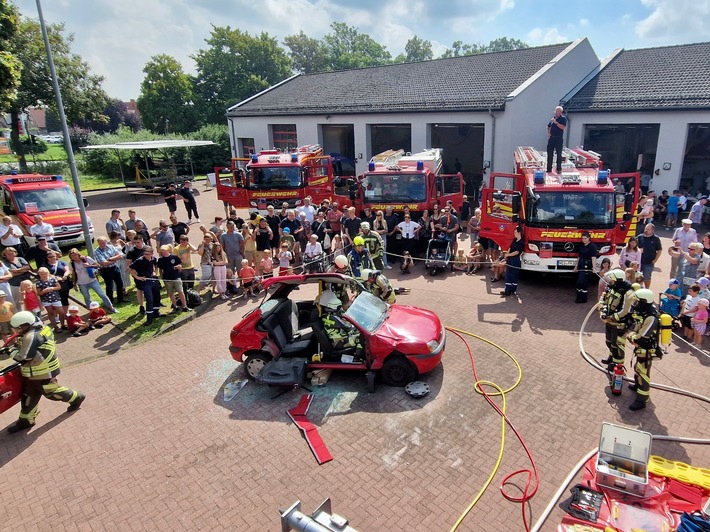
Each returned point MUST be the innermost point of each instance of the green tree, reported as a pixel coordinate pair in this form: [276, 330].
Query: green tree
[415, 50]
[10, 66]
[308, 55]
[81, 90]
[166, 101]
[501, 44]
[348, 48]
[233, 67]
[117, 114]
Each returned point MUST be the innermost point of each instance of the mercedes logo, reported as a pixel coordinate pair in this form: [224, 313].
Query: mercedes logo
[64, 229]
[569, 247]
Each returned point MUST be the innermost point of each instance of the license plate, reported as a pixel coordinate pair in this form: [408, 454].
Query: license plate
[566, 263]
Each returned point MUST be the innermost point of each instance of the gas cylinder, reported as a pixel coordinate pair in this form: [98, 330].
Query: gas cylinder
[666, 329]
[616, 381]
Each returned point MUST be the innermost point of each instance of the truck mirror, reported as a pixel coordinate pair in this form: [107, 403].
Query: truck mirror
[85, 201]
[516, 204]
[626, 217]
[516, 218]
[499, 196]
[7, 210]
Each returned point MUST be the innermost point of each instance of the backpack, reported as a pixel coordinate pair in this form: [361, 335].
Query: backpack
[193, 298]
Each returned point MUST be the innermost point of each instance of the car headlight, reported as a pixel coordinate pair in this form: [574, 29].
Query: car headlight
[604, 249]
[533, 247]
[433, 345]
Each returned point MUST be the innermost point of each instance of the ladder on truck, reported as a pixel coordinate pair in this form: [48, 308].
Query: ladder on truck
[529, 157]
[387, 158]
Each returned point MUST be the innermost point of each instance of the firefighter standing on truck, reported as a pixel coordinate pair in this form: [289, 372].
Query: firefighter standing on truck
[616, 303]
[35, 351]
[644, 337]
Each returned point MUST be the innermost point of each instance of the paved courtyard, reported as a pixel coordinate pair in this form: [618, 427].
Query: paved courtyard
[156, 446]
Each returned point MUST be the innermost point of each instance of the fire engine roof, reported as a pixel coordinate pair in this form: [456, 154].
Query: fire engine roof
[475, 82]
[150, 145]
[669, 77]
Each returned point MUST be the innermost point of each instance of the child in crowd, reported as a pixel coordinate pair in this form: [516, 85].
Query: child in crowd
[460, 261]
[700, 321]
[604, 268]
[267, 267]
[97, 316]
[246, 274]
[7, 309]
[407, 263]
[689, 309]
[285, 257]
[337, 247]
[290, 242]
[77, 326]
[47, 287]
[30, 298]
[670, 299]
[476, 257]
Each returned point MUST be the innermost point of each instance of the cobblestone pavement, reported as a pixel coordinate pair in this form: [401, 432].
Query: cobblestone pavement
[156, 447]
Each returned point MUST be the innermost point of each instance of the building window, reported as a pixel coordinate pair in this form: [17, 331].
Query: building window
[284, 136]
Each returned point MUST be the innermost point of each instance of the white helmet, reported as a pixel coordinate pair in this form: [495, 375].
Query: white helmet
[616, 274]
[644, 294]
[24, 317]
[341, 262]
[329, 300]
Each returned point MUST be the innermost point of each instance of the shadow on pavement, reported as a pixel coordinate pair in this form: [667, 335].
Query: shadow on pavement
[344, 393]
[13, 445]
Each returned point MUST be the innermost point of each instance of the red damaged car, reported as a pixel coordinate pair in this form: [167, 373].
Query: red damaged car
[398, 341]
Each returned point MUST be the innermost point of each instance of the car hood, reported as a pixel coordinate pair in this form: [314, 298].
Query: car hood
[410, 325]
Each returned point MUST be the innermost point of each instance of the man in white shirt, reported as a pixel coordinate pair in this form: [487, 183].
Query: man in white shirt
[307, 209]
[42, 229]
[10, 234]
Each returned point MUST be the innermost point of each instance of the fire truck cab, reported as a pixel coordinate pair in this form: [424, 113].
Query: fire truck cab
[554, 209]
[272, 177]
[25, 195]
[412, 180]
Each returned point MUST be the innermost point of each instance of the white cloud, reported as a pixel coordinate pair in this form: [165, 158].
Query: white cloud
[674, 21]
[584, 22]
[540, 36]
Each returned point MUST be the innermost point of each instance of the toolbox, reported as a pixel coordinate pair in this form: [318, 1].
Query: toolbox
[622, 460]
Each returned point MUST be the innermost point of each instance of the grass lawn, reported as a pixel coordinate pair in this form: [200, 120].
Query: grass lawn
[55, 152]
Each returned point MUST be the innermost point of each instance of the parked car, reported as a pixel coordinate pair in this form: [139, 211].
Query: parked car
[401, 342]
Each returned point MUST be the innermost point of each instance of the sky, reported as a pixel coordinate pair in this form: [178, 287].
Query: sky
[118, 37]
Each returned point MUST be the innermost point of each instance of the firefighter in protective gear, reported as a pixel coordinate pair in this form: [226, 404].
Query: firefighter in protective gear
[644, 337]
[341, 333]
[378, 285]
[359, 258]
[35, 351]
[340, 265]
[615, 306]
[374, 244]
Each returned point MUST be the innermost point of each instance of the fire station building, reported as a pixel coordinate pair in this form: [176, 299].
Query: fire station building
[647, 108]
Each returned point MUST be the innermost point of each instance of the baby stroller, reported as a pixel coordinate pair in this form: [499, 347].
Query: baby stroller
[438, 254]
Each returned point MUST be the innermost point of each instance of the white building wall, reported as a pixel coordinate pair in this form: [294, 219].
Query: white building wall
[530, 108]
[672, 137]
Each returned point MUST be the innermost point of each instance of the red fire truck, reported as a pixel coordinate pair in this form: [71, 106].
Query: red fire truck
[554, 209]
[412, 180]
[272, 177]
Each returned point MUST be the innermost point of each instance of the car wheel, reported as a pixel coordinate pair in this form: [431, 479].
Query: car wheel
[254, 363]
[398, 371]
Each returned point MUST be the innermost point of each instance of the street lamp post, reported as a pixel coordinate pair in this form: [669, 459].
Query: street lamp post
[67, 140]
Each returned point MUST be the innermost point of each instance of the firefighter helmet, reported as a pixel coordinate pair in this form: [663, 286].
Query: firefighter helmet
[370, 275]
[645, 295]
[341, 262]
[616, 274]
[358, 241]
[24, 317]
[329, 300]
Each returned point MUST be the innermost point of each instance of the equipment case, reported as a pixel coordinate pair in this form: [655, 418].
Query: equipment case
[622, 461]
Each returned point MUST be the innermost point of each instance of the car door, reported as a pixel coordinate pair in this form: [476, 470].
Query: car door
[10, 385]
